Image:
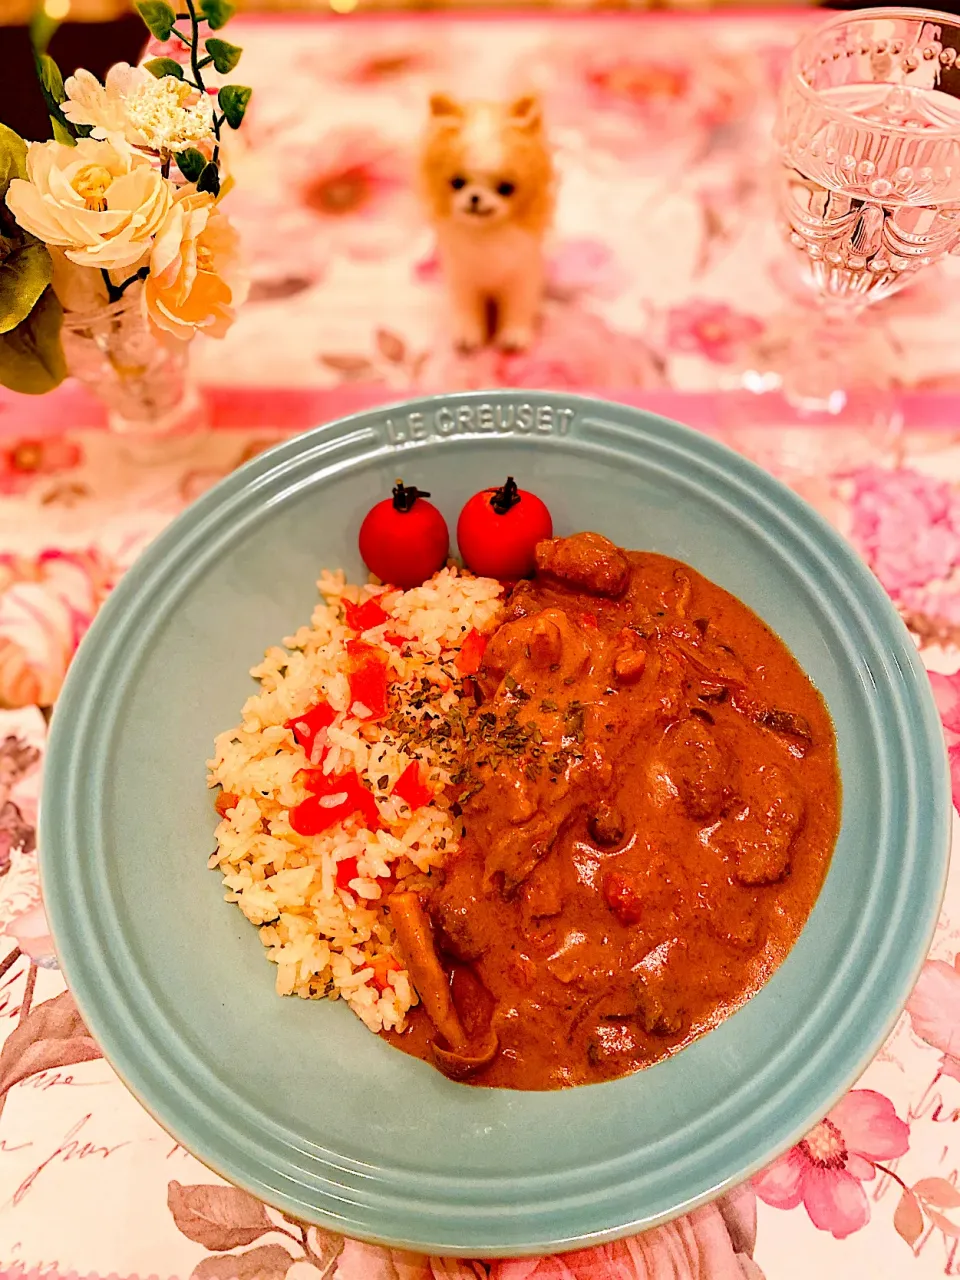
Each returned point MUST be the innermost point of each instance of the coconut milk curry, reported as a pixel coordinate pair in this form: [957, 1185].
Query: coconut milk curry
[650, 799]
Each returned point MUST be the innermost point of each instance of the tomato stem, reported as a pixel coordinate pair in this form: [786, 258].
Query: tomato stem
[404, 496]
[507, 496]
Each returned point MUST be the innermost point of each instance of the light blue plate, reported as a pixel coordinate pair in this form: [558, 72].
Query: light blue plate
[296, 1101]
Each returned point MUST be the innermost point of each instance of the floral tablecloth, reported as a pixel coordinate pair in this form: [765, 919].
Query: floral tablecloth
[658, 286]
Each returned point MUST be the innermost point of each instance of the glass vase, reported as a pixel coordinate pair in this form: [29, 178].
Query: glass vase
[142, 381]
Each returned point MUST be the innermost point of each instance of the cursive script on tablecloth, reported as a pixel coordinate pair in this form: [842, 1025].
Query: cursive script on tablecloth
[44, 1081]
[68, 1148]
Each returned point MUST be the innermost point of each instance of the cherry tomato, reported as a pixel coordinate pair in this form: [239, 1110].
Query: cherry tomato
[499, 529]
[404, 540]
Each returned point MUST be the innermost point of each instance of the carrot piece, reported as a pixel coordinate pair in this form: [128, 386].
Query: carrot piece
[224, 801]
[471, 653]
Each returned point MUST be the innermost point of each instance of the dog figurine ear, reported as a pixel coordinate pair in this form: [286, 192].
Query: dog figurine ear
[525, 113]
[444, 109]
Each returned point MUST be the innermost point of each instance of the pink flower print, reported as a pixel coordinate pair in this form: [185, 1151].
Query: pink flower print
[634, 99]
[698, 1246]
[946, 693]
[370, 1262]
[22, 463]
[382, 58]
[827, 1169]
[934, 1010]
[385, 60]
[713, 330]
[31, 933]
[355, 185]
[643, 86]
[46, 606]
[906, 525]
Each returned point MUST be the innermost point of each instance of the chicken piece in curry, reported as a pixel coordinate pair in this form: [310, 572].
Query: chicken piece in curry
[649, 796]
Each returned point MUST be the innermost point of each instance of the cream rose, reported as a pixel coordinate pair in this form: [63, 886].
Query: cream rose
[98, 201]
[195, 281]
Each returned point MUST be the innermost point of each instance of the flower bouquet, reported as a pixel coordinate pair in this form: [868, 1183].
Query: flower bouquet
[114, 248]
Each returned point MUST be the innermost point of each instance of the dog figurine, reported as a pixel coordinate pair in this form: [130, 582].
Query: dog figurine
[488, 180]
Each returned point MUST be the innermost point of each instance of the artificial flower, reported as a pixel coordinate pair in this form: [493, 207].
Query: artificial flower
[101, 203]
[194, 281]
[163, 115]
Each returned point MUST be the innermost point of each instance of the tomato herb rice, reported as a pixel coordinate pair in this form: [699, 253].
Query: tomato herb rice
[333, 787]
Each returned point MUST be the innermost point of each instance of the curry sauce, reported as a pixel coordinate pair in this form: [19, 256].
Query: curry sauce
[649, 795]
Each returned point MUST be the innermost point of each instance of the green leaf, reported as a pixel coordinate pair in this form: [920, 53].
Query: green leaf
[31, 357]
[224, 54]
[161, 67]
[51, 86]
[61, 133]
[50, 78]
[234, 99]
[13, 158]
[191, 163]
[217, 13]
[209, 180]
[158, 16]
[24, 274]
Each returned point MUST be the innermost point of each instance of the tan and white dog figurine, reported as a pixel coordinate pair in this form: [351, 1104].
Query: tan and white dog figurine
[489, 184]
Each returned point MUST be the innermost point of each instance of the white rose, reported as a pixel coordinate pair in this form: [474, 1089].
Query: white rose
[165, 115]
[98, 201]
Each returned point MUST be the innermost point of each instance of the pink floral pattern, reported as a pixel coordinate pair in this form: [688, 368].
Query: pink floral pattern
[711, 329]
[46, 605]
[921, 572]
[934, 1009]
[946, 691]
[354, 182]
[701, 1246]
[826, 1171]
[31, 933]
[657, 89]
[23, 462]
